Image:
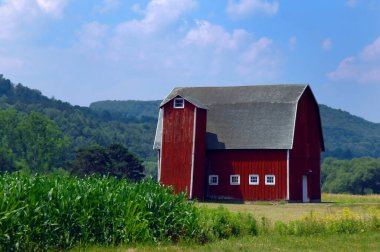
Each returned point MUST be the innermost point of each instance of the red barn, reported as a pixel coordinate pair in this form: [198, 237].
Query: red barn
[242, 142]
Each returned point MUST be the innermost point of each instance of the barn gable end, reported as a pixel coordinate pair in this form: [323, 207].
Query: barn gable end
[182, 147]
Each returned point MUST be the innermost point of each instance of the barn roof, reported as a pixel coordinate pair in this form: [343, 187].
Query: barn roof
[243, 117]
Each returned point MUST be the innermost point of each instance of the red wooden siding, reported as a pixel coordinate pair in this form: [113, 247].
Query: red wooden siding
[245, 162]
[199, 155]
[304, 158]
[177, 145]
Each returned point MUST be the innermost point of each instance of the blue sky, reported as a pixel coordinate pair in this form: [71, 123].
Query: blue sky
[90, 50]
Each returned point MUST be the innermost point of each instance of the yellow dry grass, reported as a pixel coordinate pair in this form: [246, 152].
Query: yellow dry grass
[331, 204]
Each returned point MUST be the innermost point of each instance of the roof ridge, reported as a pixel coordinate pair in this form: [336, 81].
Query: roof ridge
[241, 86]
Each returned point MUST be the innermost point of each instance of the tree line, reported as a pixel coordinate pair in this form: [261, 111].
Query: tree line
[34, 143]
[356, 176]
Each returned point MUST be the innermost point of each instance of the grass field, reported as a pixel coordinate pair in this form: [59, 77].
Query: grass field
[333, 204]
[348, 198]
[354, 242]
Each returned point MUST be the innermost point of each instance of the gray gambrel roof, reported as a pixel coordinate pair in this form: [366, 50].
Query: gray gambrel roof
[243, 117]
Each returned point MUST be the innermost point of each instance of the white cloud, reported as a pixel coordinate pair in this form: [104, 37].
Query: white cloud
[206, 34]
[244, 8]
[136, 8]
[17, 15]
[11, 15]
[53, 8]
[327, 44]
[93, 34]
[260, 62]
[158, 15]
[372, 51]
[363, 67]
[236, 53]
[256, 50]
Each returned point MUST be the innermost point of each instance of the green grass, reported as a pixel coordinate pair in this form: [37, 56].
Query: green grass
[348, 198]
[331, 204]
[344, 242]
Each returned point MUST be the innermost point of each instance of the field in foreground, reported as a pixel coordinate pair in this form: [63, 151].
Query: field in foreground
[331, 204]
[344, 242]
[271, 211]
[51, 212]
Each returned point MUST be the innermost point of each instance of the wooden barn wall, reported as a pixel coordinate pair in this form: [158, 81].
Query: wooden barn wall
[305, 157]
[200, 155]
[177, 142]
[245, 162]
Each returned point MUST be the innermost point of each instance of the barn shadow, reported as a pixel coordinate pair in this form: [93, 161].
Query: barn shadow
[213, 141]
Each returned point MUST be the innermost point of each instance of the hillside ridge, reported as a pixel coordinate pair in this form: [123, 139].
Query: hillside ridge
[133, 123]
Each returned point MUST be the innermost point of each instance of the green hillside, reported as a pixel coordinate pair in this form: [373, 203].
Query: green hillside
[347, 136]
[127, 109]
[82, 125]
[133, 123]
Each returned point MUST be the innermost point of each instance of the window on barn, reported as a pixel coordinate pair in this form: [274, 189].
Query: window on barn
[270, 180]
[213, 180]
[179, 103]
[253, 179]
[235, 179]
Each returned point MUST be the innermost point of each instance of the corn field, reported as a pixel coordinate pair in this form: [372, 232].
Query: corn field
[54, 212]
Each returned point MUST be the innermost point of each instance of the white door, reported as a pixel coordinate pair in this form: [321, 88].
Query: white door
[305, 197]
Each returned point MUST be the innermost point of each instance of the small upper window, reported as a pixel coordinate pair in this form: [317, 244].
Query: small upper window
[254, 179]
[179, 103]
[235, 179]
[213, 180]
[270, 180]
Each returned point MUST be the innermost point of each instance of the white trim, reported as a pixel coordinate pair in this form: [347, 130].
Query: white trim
[161, 149]
[238, 178]
[158, 165]
[193, 153]
[287, 175]
[253, 183]
[210, 179]
[177, 99]
[266, 179]
[305, 193]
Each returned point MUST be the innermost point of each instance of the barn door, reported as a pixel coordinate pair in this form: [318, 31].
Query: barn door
[305, 197]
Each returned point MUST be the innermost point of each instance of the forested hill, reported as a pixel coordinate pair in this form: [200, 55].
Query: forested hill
[82, 125]
[347, 136]
[133, 123]
[125, 109]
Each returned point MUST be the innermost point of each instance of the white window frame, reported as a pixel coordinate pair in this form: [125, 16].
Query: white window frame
[270, 183]
[238, 179]
[256, 176]
[210, 179]
[178, 99]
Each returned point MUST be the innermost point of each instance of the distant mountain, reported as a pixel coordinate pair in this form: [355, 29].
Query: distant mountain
[83, 125]
[347, 136]
[127, 109]
[133, 123]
